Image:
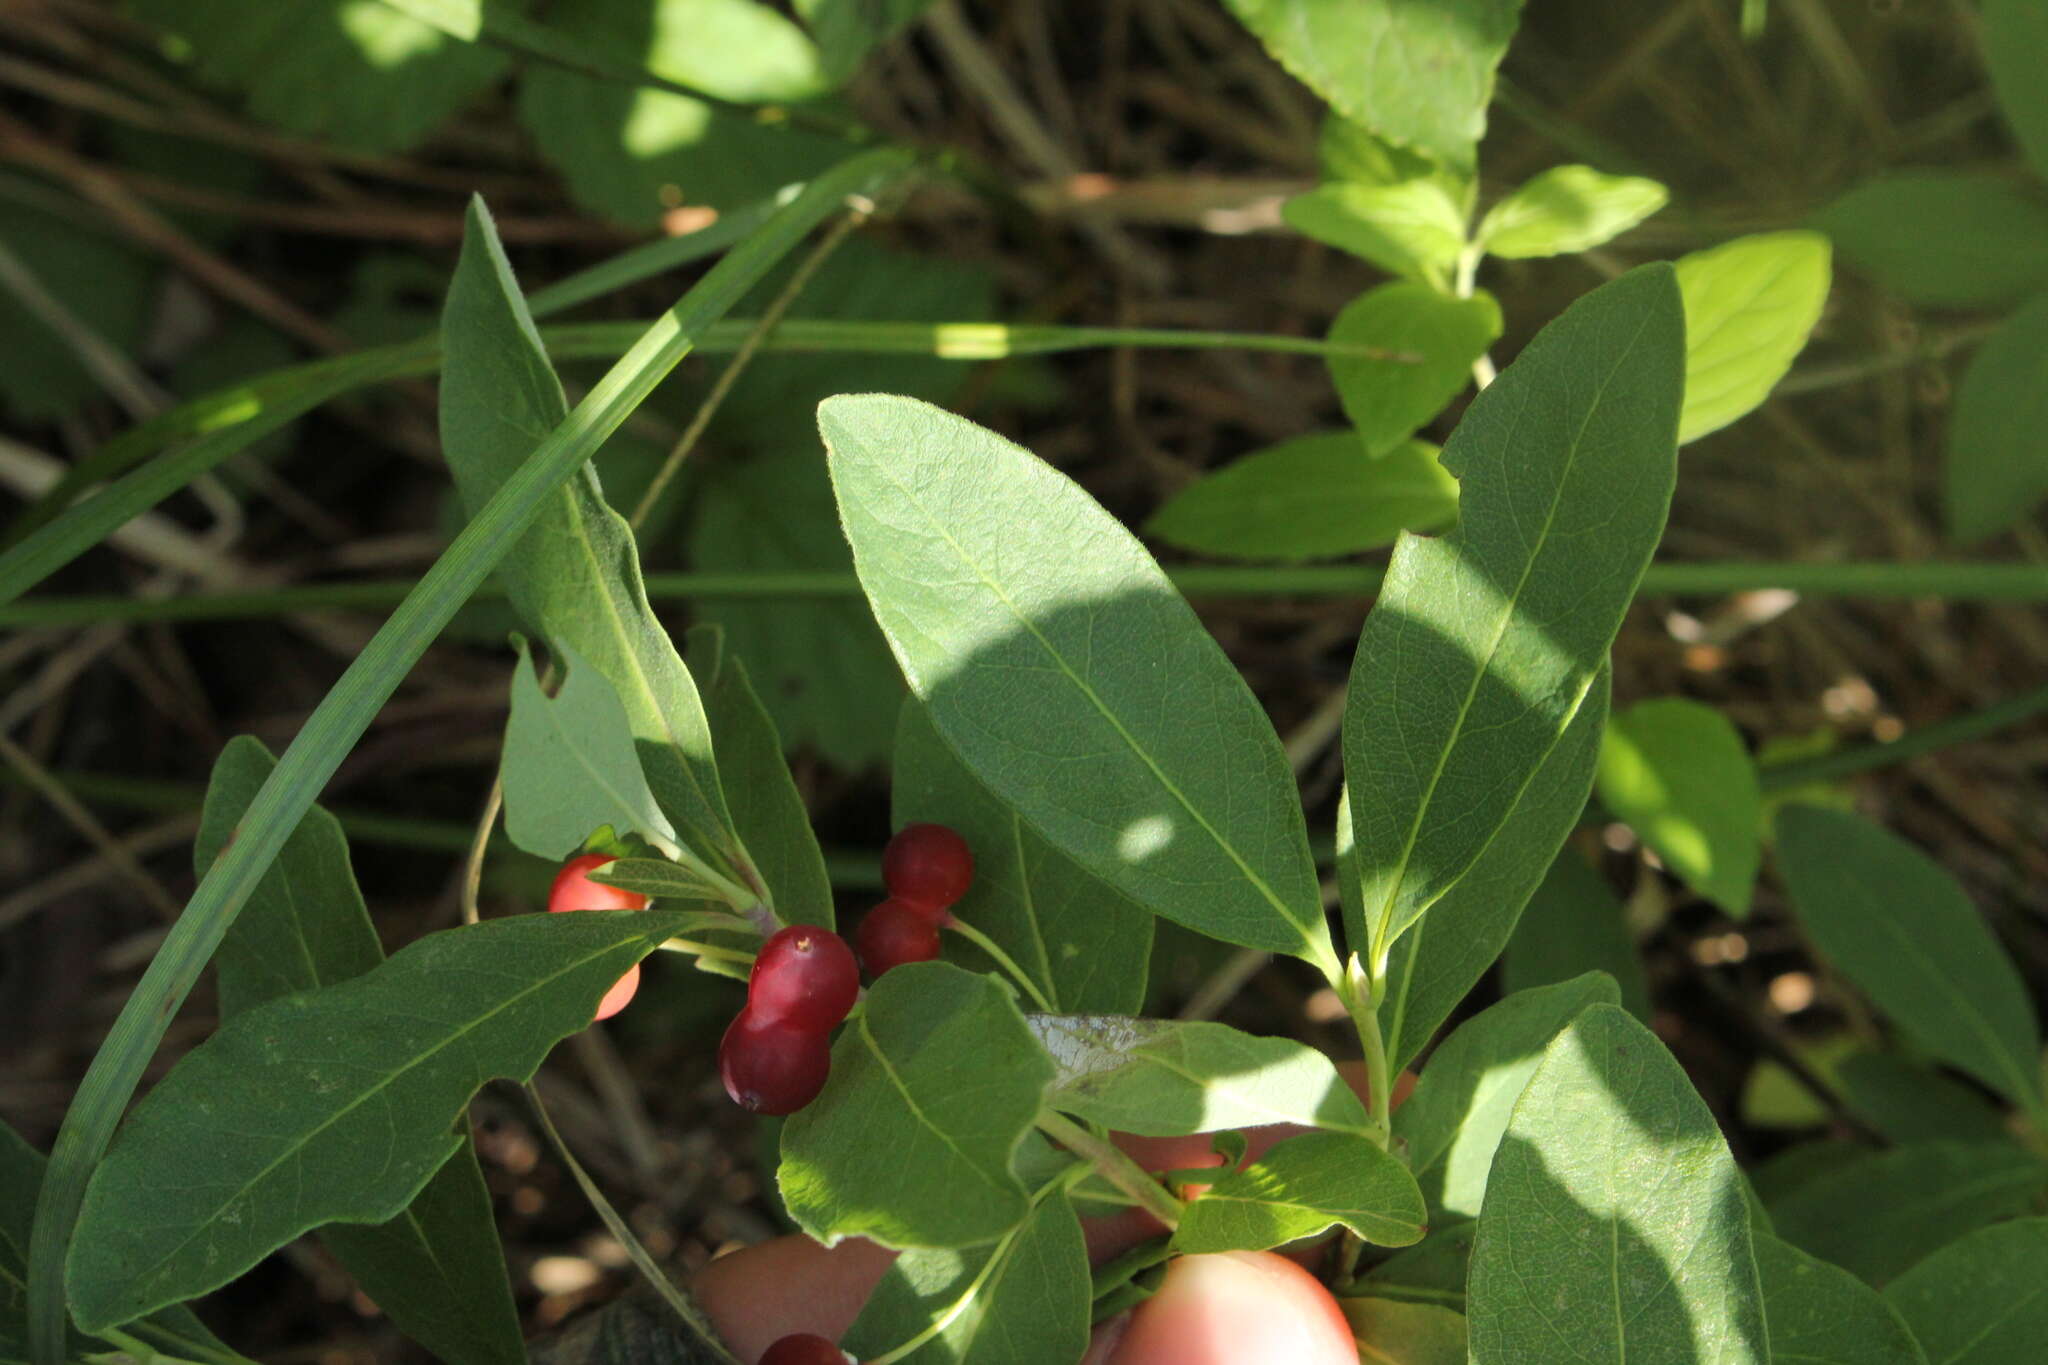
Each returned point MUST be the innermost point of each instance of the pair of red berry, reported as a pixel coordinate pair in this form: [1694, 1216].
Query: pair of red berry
[778, 1050]
[926, 870]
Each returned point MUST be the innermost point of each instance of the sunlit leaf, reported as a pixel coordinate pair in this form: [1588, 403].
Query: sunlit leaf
[1059, 664]
[1615, 1218]
[1749, 306]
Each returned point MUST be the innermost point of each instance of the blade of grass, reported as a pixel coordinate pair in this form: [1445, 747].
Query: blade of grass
[342, 716]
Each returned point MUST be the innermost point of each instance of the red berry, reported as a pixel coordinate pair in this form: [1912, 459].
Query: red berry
[573, 890]
[805, 976]
[804, 1349]
[772, 1066]
[894, 933]
[928, 867]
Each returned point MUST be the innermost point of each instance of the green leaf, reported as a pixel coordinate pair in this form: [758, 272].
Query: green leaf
[1163, 1078]
[346, 712]
[1417, 74]
[1681, 777]
[1877, 1216]
[767, 809]
[1995, 472]
[437, 1269]
[263, 1132]
[848, 30]
[2015, 32]
[174, 1331]
[1820, 1314]
[102, 282]
[1431, 1271]
[1454, 1122]
[1945, 239]
[1060, 665]
[462, 19]
[1314, 497]
[570, 765]
[1485, 642]
[1567, 209]
[1434, 339]
[1414, 228]
[1982, 1300]
[1021, 1301]
[632, 153]
[1393, 1332]
[1442, 957]
[1301, 1186]
[1084, 943]
[1900, 928]
[1910, 1102]
[351, 72]
[575, 576]
[1750, 304]
[1573, 924]
[1615, 1219]
[940, 1060]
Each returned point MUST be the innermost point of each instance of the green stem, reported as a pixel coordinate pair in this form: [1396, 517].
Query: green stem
[1956, 582]
[1003, 960]
[1112, 1165]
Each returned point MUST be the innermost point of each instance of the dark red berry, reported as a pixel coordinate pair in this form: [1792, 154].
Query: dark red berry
[927, 867]
[804, 1349]
[805, 976]
[894, 933]
[573, 890]
[772, 1067]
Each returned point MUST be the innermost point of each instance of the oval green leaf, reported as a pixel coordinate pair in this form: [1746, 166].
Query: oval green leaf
[1485, 642]
[1681, 777]
[1060, 665]
[1750, 304]
[1314, 497]
[1615, 1218]
[1901, 929]
[264, 1131]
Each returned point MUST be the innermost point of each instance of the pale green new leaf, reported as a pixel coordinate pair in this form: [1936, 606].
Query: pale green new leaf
[575, 574]
[767, 809]
[1029, 1307]
[1982, 1300]
[1820, 1314]
[437, 1270]
[1438, 961]
[1061, 666]
[1301, 1186]
[1679, 774]
[941, 1062]
[1163, 1077]
[1313, 497]
[1945, 238]
[2015, 36]
[1749, 307]
[266, 1131]
[1395, 1332]
[570, 764]
[1433, 339]
[1573, 924]
[352, 72]
[1616, 1228]
[1413, 228]
[1416, 72]
[1086, 945]
[1879, 1215]
[1567, 209]
[1486, 641]
[1901, 928]
[1995, 472]
[1454, 1121]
